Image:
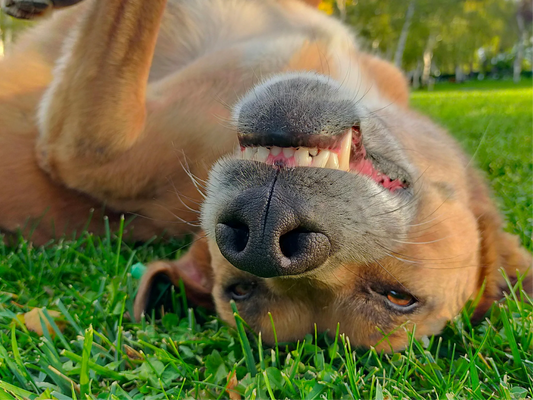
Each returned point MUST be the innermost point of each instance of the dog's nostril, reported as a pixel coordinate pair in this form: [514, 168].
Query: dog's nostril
[291, 243]
[237, 235]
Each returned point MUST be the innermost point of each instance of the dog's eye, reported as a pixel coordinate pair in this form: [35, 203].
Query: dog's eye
[241, 291]
[400, 299]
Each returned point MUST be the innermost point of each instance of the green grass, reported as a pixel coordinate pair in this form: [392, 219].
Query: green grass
[190, 353]
[487, 84]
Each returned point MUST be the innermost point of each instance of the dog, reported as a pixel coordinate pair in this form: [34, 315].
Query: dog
[329, 201]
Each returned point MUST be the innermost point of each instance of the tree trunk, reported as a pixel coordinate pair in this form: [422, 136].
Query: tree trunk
[416, 75]
[459, 74]
[341, 5]
[428, 57]
[403, 36]
[522, 37]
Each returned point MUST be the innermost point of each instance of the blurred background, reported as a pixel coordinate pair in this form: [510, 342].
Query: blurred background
[431, 40]
[444, 40]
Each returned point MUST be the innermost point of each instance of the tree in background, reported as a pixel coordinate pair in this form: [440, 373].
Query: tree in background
[524, 17]
[444, 37]
[424, 37]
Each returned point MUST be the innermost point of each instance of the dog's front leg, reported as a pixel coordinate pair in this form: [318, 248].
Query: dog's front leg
[94, 110]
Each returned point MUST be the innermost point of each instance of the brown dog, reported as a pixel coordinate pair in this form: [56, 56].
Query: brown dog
[340, 204]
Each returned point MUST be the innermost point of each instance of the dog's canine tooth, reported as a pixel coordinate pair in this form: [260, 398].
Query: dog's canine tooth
[302, 158]
[275, 150]
[333, 161]
[288, 152]
[345, 150]
[321, 159]
[262, 154]
[249, 153]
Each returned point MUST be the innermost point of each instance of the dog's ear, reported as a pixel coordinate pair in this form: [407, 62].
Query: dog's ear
[194, 269]
[498, 250]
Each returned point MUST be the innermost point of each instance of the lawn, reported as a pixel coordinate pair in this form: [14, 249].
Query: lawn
[192, 354]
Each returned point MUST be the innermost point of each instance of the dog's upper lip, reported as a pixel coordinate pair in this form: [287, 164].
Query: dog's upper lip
[296, 139]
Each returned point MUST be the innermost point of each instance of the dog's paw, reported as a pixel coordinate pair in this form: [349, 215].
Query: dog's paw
[27, 9]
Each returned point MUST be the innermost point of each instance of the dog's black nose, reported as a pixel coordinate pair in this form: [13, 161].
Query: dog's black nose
[269, 235]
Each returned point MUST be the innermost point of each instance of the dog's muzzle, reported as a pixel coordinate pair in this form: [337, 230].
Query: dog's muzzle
[266, 232]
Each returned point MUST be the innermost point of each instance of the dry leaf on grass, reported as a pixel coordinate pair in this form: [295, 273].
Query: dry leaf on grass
[32, 320]
[132, 353]
[232, 383]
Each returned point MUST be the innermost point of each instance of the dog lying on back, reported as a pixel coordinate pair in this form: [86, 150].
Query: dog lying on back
[328, 201]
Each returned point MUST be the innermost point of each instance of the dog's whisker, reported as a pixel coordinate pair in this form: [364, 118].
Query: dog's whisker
[190, 223]
[481, 141]
[178, 195]
[172, 222]
[443, 260]
[194, 179]
[186, 246]
[421, 243]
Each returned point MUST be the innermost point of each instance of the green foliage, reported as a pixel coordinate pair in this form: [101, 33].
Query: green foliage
[102, 354]
[454, 30]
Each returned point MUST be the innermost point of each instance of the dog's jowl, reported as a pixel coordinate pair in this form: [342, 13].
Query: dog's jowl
[328, 200]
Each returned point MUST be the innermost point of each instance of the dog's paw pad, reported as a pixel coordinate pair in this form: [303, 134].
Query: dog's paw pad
[27, 9]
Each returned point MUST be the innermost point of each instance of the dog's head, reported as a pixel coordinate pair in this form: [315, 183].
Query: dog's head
[330, 212]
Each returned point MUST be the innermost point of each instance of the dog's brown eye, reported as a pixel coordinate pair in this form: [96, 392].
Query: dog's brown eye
[241, 291]
[400, 298]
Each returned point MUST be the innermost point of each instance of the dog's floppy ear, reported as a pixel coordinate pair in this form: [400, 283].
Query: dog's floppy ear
[194, 269]
[499, 250]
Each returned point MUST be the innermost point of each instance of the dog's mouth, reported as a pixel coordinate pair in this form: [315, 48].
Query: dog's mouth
[344, 152]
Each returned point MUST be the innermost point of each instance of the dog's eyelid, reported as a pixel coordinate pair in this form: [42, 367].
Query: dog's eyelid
[385, 291]
[241, 290]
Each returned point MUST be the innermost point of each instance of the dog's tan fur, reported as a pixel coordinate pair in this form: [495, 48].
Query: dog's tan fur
[135, 103]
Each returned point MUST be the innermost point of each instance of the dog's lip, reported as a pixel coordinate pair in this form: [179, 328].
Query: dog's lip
[294, 139]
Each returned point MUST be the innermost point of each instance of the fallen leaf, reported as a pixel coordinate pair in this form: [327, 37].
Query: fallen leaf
[232, 383]
[32, 320]
[132, 353]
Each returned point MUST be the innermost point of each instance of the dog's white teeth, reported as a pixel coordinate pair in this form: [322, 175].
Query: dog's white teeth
[262, 154]
[301, 157]
[288, 152]
[275, 151]
[333, 161]
[321, 159]
[345, 150]
[249, 153]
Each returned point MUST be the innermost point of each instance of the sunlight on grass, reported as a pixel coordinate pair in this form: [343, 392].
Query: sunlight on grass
[495, 126]
[191, 354]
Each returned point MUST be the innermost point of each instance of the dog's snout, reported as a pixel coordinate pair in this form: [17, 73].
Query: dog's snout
[261, 234]
[307, 110]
